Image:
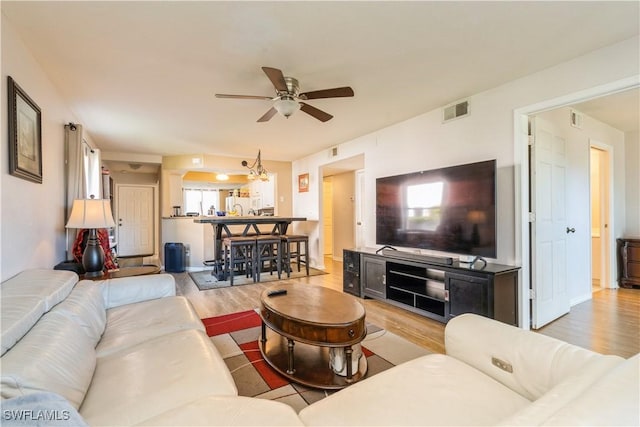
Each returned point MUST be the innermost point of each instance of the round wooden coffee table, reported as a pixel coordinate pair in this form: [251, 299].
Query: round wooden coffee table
[300, 327]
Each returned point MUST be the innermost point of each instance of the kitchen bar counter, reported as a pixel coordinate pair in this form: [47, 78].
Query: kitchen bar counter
[221, 229]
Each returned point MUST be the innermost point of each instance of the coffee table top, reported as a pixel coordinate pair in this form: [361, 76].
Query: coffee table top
[315, 305]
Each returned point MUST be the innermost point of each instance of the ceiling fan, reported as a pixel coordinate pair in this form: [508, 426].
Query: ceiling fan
[288, 98]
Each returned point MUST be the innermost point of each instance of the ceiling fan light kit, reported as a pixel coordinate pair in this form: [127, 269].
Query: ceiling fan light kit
[286, 107]
[288, 97]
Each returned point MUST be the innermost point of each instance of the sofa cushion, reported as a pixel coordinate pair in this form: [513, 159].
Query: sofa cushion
[26, 297]
[132, 385]
[51, 285]
[562, 393]
[56, 355]
[129, 290]
[431, 390]
[18, 314]
[227, 411]
[538, 362]
[613, 400]
[131, 324]
[85, 307]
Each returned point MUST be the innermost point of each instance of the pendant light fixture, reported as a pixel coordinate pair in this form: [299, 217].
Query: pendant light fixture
[256, 170]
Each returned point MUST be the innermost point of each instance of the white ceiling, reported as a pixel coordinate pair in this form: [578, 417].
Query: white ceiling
[141, 76]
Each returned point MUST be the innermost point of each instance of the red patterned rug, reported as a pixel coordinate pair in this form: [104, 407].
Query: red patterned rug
[236, 337]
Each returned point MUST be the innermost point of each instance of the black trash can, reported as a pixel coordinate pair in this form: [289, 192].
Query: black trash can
[175, 257]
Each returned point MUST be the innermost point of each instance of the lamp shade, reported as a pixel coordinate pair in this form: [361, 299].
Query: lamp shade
[286, 107]
[91, 213]
[477, 217]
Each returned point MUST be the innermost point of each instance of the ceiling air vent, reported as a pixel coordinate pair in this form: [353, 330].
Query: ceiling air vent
[455, 111]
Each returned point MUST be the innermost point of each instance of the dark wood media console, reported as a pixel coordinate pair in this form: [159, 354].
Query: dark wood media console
[438, 290]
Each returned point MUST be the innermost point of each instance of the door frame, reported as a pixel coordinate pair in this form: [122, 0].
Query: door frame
[521, 177]
[608, 248]
[360, 208]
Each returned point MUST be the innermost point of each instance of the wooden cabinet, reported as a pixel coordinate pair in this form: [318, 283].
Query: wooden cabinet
[628, 262]
[175, 190]
[263, 194]
[440, 291]
[468, 294]
[373, 274]
[351, 272]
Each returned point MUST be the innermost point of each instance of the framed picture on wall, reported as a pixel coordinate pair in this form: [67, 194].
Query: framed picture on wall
[25, 134]
[303, 183]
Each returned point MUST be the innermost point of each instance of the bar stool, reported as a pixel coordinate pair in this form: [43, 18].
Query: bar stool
[268, 248]
[293, 250]
[239, 251]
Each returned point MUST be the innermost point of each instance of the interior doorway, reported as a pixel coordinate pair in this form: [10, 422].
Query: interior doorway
[327, 215]
[606, 92]
[340, 198]
[600, 182]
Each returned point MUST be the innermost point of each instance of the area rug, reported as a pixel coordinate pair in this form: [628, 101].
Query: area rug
[236, 338]
[205, 281]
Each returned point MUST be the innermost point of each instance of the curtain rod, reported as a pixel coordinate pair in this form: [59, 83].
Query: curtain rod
[73, 127]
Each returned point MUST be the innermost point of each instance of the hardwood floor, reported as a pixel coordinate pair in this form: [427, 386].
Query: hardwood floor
[609, 323]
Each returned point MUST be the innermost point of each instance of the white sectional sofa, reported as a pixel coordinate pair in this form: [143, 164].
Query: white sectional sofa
[129, 352]
[120, 351]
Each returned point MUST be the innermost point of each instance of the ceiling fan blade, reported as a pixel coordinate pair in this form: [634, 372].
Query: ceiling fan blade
[267, 116]
[277, 78]
[222, 95]
[313, 111]
[339, 92]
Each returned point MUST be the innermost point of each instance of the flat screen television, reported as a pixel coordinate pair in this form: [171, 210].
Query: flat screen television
[451, 209]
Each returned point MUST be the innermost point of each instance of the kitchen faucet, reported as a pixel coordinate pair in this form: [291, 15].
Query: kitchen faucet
[240, 206]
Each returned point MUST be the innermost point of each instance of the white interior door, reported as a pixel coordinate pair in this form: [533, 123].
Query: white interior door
[135, 221]
[549, 226]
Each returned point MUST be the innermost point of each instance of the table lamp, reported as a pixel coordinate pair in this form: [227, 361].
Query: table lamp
[91, 214]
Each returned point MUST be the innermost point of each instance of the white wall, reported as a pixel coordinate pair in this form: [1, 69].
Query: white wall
[424, 142]
[32, 232]
[632, 169]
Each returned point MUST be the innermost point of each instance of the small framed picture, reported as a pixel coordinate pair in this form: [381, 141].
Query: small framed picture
[303, 183]
[25, 135]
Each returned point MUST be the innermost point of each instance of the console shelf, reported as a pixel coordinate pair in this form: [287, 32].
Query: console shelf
[439, 290]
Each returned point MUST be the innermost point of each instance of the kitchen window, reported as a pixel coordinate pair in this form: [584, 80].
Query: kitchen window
[200, 200]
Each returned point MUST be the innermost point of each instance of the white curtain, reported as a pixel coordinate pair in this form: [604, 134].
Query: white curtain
[83, 174]
[92, 172]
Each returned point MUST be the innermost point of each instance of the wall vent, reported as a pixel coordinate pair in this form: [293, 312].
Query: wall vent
[333, 151]
[576, 119]
[455, 111]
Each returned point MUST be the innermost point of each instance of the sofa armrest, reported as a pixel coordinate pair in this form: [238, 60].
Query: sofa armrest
[129, 290]
[527, 362]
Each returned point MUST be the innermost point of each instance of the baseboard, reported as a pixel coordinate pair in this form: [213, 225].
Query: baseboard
[580, 299]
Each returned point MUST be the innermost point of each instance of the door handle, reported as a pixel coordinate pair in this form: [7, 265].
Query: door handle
[571, 230]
